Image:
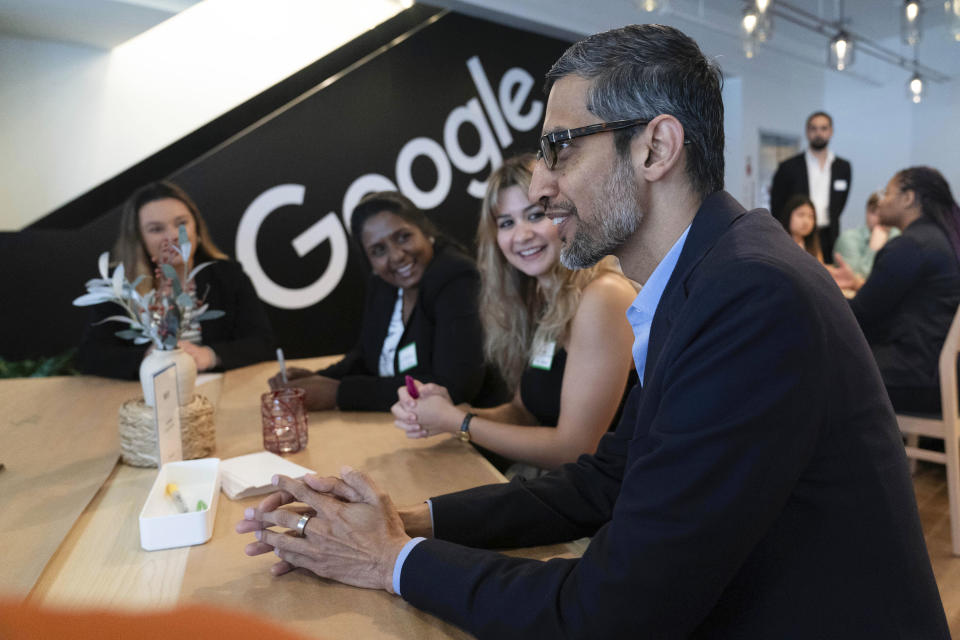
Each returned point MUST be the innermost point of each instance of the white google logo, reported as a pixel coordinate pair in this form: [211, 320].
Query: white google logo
[503, 109]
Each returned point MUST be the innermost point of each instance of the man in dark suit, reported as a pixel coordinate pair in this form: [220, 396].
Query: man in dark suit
[756, 486]
[818, 174]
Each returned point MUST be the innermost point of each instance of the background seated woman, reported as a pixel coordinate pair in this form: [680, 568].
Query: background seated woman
[148, 230]
[801, 224]
[420, 316]
[906, 305]
[858, 246]
[559, 337]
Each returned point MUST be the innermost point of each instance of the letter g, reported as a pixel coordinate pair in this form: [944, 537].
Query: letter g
[327, 228]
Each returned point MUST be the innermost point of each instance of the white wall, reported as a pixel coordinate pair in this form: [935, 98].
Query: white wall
[873, 129]
[936, 131]
[74, 117]
[50, 99]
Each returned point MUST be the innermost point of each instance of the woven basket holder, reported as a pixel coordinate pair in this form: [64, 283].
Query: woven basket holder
[138, 432]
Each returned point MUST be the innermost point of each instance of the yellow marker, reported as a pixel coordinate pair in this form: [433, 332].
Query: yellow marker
[174, 492]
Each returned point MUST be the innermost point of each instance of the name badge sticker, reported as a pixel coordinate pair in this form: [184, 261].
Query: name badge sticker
[839, 185]
[543, 357]
[407, 357]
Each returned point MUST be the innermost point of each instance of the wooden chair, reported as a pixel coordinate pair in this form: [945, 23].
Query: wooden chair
[947, 428]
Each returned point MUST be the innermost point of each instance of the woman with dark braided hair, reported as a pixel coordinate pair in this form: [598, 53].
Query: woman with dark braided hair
[907, 304]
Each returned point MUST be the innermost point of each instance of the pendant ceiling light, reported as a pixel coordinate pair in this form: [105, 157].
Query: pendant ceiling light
[840, 52]
[649, 6]
[910, 22]
[840, 55]
[915, 88]
[915, 85]
[846, 42]
[756, 23]
[952, 9]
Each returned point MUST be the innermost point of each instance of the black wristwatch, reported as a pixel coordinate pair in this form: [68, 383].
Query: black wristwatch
[465, 427]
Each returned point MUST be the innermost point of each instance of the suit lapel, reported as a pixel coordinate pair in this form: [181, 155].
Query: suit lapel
[717, 212]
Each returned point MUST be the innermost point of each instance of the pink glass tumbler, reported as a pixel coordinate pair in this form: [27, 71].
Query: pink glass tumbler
[284, 420]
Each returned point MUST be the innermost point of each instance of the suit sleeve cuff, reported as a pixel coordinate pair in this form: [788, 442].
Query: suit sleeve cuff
[401, 557]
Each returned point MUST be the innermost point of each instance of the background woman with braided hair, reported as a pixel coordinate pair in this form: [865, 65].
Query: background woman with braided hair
[907, 304]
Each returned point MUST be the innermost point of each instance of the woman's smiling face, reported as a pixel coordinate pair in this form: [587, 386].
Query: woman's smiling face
[528, 239]
[399, 251]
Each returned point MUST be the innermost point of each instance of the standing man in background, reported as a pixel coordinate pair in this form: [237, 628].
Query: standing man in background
[818, 174]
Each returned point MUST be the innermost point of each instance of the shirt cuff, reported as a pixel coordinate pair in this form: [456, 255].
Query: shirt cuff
[401, 558]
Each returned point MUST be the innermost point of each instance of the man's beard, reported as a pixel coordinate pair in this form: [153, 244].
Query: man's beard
[616, 218]
[819, 144]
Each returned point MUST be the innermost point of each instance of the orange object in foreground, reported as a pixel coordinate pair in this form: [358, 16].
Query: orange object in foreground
[20, 621]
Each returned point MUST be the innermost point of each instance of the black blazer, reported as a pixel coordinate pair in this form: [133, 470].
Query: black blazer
[906, 306]
[756, 486]
[243, 336]
[791, 179]
[444, 324]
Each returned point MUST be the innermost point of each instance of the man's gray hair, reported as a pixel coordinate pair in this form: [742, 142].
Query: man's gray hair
[642, 71]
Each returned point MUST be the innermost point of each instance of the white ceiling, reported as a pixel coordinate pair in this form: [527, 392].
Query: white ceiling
[97, 23]
[107, 23]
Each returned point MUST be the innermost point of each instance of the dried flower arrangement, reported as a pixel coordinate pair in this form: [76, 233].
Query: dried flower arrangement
[165, 315]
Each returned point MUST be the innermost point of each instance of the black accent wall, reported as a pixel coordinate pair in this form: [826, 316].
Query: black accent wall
[429, 101]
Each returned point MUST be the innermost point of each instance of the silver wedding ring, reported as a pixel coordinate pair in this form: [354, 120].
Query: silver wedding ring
[302, 525]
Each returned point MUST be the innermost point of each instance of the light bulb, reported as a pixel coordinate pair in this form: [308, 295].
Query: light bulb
[915, 88]
[763, 5]
[840, 54]
[755, 24]
[911, 10]
[910, 31]
[952, 9]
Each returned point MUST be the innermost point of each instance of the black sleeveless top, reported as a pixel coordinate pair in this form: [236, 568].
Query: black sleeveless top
[540, 390]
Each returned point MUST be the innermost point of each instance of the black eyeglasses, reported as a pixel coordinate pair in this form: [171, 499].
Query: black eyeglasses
[548, 143]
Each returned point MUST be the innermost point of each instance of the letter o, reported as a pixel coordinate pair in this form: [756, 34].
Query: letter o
[433, 150]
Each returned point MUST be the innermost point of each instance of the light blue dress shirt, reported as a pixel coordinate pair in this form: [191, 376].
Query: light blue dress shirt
[639, 315]
[644, 306]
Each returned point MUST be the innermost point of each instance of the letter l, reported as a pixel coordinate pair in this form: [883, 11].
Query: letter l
[489, 101]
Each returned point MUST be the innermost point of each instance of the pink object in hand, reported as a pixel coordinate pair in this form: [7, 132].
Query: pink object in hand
[411, 388]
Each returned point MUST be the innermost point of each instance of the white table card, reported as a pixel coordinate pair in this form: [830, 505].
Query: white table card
[167, 413]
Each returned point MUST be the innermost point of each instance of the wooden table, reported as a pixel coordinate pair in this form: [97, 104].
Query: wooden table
[100, 564]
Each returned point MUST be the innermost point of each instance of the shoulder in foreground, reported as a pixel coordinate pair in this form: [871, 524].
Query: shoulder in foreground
[609, 290]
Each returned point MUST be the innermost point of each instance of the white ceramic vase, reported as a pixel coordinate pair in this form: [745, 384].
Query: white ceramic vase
[159, 359]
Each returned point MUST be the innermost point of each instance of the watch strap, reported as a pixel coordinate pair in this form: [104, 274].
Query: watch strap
[465, 427]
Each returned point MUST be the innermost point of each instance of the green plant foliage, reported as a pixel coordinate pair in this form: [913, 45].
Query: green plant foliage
[162, 316]
[59, 365]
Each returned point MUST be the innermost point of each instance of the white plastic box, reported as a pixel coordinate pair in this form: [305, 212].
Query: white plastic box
[162, 526]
